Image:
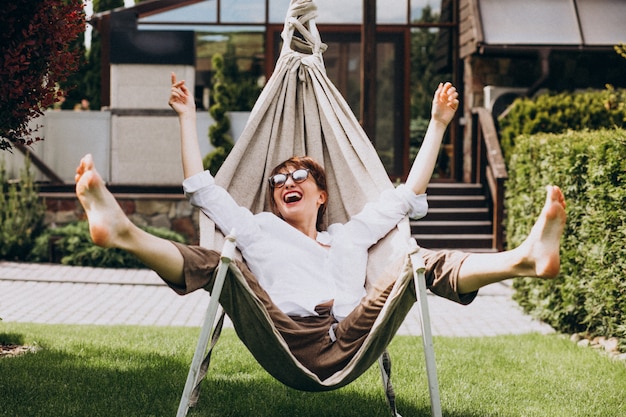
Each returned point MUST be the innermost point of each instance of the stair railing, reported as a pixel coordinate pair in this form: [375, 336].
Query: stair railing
[489, 168]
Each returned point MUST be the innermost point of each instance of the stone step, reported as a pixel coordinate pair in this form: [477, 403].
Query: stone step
[451, 227]
[457, 214]
[455, 241]
[456, 201]
[453, 188]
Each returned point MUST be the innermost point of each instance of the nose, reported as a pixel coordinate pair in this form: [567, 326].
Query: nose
[289, 181]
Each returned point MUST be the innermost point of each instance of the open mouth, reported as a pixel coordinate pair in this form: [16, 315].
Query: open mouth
[292, 197]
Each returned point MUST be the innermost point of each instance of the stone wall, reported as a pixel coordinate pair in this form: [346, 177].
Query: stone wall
[169, 211]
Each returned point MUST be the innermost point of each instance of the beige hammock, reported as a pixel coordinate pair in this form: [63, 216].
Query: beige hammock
[300, 112]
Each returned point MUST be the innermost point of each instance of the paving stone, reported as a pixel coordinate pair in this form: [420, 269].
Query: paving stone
[56, 294]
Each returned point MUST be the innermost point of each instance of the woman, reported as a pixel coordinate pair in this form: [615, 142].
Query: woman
[312, 281]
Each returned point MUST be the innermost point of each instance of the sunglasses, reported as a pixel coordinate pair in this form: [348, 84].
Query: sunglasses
[298, 176]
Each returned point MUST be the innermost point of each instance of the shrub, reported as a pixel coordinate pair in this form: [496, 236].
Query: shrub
[558, 113]
[218, 131]
[21, 214]
[72, 245]
[590, 167]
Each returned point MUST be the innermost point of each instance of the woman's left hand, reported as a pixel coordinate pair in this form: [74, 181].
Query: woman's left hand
[445, 103]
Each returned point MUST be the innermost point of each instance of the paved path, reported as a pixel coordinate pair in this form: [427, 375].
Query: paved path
[44, 293]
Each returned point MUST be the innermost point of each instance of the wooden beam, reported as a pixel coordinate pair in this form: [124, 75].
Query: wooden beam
[368, 69]
[40, 164]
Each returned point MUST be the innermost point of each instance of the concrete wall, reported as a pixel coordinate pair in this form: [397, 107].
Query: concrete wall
[126, 149]
[135, 86]
[145, 150]
[68, 135]
[144, 143]
[135, 142]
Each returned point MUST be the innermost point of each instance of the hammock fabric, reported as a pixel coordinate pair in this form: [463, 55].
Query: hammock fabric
[300, 112]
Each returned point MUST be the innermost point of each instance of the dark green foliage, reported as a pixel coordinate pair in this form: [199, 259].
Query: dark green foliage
[558, 113]
[218, 131]
[74, 87]
[21, 214]
[232, 91]
[590, 167]
[91, 72]
[425, 72]
[240, 88]
[72, 245]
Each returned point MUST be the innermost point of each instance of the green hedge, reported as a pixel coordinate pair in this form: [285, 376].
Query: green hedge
[590, 167]
[558, 113]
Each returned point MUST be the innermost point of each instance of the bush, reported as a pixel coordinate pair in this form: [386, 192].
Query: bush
[558, 113]
[21, 214]
[590, 167]
[218, 131]
[72, 245]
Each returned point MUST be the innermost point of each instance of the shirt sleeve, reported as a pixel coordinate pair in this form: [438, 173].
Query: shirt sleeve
[378, 217]
[219, 206]
[417, 203]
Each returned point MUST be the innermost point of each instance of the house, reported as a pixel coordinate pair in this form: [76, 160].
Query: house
[493, 50]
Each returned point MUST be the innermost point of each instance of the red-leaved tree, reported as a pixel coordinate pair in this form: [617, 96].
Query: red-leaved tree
[36, 53]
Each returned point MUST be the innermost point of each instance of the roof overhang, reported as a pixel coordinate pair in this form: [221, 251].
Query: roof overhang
[513, 26]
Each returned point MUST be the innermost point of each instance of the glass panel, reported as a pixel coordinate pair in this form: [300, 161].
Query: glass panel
[342, 60]
[329, 11]
[386, 106]
[430, 65]
[204, 12]
[391, 11]
[537, 22]
[603, 22]
[242, 11]
[244, 56]
[343, 66]
[343, 11]
[278, 10]
[422, 10]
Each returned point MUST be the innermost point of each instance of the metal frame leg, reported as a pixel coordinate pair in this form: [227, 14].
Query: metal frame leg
[427, 336]
[228, 252]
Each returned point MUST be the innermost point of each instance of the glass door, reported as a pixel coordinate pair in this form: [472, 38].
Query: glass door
[343, 66]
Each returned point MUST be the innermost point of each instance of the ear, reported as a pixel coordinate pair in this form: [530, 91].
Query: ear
[322, 198]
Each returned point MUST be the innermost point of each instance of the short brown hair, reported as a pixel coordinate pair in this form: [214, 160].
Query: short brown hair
[316, 171]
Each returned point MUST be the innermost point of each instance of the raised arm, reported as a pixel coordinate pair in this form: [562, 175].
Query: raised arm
[181, 100]
[445, 103]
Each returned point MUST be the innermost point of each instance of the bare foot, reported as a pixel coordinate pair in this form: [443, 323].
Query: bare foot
[543, 243]
[107, 221]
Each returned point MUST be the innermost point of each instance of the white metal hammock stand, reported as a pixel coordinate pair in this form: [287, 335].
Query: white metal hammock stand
[228, 251]
[334, 131]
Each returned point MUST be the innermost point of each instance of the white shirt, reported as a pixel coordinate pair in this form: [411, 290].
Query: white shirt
[295, 270]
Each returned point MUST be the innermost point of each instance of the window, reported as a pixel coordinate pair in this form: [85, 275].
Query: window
[242, 11]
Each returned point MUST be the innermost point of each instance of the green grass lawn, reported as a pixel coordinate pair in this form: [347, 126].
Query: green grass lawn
[91, 371]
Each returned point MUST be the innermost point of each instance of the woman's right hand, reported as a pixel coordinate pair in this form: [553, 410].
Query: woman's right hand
[181, 99]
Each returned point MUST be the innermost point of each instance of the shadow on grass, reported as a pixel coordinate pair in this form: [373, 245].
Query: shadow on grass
[262, 398]
[11, 339]
[122, 382]
[53, 383]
